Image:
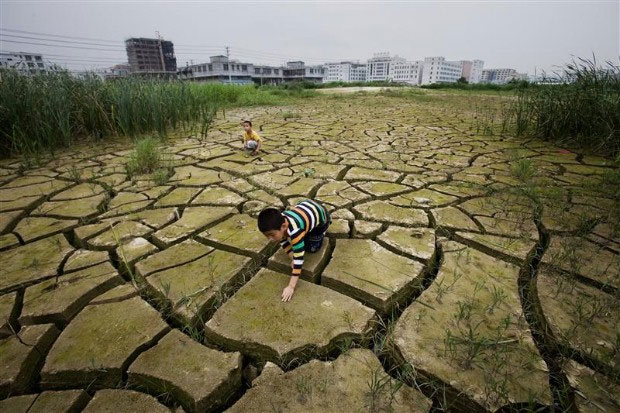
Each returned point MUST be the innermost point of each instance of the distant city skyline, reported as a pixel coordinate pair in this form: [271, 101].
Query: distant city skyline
[505, 34]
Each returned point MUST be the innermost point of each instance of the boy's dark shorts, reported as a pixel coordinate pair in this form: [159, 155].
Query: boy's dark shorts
[314, 239]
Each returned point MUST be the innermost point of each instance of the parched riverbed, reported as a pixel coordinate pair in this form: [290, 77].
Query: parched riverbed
[463, 271]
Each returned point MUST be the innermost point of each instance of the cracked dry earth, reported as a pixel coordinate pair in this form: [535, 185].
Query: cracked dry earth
[448, 281]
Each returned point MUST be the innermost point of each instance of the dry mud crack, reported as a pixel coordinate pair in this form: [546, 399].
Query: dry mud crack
[463, 272]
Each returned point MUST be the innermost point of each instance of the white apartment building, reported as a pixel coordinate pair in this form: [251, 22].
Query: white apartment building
[345, 72]
[439, 70]
[501, 76]
[472, 70]
[379, 66]
[23, 62]
[358, 73]
[407, 72]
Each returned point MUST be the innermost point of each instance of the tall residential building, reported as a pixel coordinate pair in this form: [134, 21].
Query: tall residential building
[472, 70]
[500, 76]
[24, 62]
[151, 56]
[406, 72]
[439, 70]
[345, 72]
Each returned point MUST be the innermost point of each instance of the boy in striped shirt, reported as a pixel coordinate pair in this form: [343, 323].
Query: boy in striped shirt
[298, 229]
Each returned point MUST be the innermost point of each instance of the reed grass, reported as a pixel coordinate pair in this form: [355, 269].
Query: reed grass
[44, 112]
[579, 109]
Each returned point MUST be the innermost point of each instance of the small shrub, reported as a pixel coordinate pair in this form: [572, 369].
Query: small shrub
[146, 158]
[290, 115]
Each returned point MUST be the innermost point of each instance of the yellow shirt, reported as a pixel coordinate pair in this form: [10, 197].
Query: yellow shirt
[253, 136]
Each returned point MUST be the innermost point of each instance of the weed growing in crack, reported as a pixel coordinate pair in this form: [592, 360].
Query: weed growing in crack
[75, 174]
[304, 389]
[498, 296]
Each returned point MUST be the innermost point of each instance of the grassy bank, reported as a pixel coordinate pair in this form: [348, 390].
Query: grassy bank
[314, 85]
[513, 85]
[49, 111]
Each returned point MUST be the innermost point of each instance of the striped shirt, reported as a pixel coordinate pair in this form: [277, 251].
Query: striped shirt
[302, 218]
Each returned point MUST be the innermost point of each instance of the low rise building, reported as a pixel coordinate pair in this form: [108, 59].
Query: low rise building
[29, 63]
[224, 70]
[268, 75]
[298, 71]
[114, 72]
[219, 69]
[501, 76]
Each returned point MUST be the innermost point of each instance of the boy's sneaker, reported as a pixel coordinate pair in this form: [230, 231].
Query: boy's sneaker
[314, 242]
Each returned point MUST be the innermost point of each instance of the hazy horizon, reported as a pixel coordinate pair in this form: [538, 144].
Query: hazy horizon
[520, 35]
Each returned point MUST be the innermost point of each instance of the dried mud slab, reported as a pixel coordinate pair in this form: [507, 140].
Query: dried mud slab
[60, 401]
[194, 219]
[9, 311]
[313, 262]
[194, 290]
[594, 392]
[200, 378]
[255, 321]
[368, 272]
[94, 349]
[581, 317]
[32, 262]
[341, 385]
[177, 255]
[124, 400]
[58, 300]
[575, 255]
[21, 357]
[467, 329]
[383, 212]
[414, 242]
[238, 234]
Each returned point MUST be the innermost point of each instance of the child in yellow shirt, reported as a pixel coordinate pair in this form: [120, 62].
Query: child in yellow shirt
[251, 139]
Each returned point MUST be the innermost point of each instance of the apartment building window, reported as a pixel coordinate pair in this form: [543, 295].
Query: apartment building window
[276, 71]
[210, 68]
[37, 58]
[257, 70]
[244, 68]
[225, 66]
[28, 57]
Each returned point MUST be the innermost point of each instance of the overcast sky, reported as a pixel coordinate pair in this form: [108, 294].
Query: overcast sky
[516, 34]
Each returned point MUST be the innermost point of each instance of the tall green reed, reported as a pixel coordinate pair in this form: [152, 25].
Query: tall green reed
[580, 108]
[48, 111]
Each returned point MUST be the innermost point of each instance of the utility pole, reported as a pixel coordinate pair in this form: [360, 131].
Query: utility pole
[228, 60]
[161, 52]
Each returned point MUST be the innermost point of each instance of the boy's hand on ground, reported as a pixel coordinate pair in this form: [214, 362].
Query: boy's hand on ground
[287, 293]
